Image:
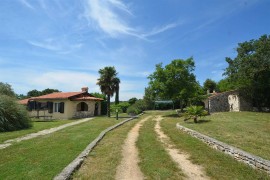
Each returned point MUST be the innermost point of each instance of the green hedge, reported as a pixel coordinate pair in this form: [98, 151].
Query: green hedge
[13, 116]
[137, 108]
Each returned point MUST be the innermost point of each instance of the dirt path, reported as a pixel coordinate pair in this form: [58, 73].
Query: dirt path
[128, 168]
[41, 133]
[192, 171]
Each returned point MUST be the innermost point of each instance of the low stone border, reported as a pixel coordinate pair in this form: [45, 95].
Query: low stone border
[76, 163]
[254, 161]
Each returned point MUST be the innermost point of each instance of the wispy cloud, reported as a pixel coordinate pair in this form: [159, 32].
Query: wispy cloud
[156, 31]
[27, 4]
[108, 15]
[104, 14]
[57, 45]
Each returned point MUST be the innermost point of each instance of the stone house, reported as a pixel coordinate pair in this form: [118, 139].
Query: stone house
[227, 101]
[64, 105]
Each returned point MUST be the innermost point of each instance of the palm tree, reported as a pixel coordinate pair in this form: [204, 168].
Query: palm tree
[107, 83]
[193, 112]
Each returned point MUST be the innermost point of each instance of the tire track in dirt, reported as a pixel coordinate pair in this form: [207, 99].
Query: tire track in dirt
[192, 171]
[128, 168]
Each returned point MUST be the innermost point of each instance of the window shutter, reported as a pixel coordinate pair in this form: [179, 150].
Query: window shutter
[38, 105]
[50, 107]
[62, 107]
[29, 105]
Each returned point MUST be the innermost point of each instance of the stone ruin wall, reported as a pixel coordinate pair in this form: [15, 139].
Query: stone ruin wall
[220, 103]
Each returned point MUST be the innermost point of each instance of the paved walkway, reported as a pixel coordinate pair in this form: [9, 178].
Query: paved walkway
[9, 142]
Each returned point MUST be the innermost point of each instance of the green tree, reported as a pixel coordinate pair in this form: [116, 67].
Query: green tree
[250, 70]
[149, 98]
[210, 85]
[13, 116]
[225, 85]
[106, 82]
[175, 81]
[34, 93]
[132, 100]
[5, 89]
[49, 91]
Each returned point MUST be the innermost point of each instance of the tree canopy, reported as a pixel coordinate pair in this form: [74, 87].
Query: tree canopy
[249, 71]
[175, 81]
[6, 89]
[13, 116]
[210, 85]
[35, 93]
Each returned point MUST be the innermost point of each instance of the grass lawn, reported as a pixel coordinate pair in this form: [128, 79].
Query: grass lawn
[249, 131]
[216, 164]
[155, 162]
[46, 156]
[104, 159]
[37, 126]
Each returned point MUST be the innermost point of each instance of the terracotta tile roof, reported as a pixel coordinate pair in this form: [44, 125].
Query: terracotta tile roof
[57, 95]
[24, 101]
[87, 98]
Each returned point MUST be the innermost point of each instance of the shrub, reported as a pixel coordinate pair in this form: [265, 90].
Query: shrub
[13, 116]
[194, 112]
[137, 108]
[133, 110]
[124, 106]
[113, 108]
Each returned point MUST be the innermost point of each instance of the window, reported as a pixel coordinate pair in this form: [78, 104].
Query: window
[59, 107]
[56, 107]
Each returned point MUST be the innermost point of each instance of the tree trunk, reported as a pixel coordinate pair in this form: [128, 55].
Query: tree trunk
[117, 97]
[195, 119]
[108, 106]
[181, 105]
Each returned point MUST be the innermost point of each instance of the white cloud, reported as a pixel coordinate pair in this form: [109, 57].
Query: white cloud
[108, 20]
[66, 80]
[160, 30]
[27, 4]
[55, 44]
[107, 15]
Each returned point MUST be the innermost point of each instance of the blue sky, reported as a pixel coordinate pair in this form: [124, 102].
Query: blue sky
[62, 44]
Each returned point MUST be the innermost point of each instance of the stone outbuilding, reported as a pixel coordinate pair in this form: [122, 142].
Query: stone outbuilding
[227, 101]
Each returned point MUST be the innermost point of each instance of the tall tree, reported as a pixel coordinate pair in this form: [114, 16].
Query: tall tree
[6, 89]
[117, 88]
[250, 70]
[174, 81]
[108, 78]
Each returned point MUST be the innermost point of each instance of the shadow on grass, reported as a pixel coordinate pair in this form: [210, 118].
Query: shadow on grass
[190, 121]
[172, 115]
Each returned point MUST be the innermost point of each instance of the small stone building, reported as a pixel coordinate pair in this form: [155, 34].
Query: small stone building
[227, 101]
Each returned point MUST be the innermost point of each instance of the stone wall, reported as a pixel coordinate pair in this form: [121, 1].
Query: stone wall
[238, 154]
[223, 102]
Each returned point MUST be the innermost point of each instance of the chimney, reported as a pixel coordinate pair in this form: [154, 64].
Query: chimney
[85, 89]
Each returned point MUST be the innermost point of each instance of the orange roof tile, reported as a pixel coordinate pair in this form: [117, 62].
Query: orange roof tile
[57, 95]
[87, 98]
[23, 101]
